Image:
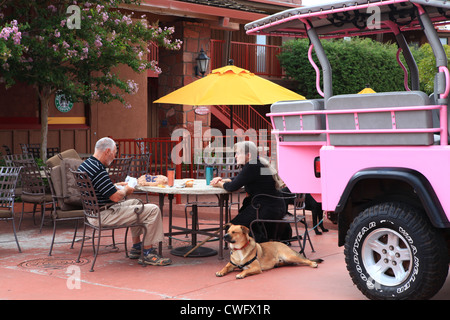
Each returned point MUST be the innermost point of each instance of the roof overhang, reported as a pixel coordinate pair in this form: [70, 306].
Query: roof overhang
[193, 10]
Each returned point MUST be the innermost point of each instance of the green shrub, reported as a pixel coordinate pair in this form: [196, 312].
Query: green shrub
[426, 62]
[356, 63]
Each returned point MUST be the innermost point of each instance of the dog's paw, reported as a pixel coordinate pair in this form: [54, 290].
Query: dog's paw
[219, 274]
[314, 264]
[240, 276]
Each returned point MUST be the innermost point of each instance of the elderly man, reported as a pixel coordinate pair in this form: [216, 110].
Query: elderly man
[123, 212]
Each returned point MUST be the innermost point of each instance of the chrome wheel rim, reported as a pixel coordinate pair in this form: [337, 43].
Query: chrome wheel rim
[387, 257]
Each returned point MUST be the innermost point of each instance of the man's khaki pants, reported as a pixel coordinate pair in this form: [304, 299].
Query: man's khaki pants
[123, 213]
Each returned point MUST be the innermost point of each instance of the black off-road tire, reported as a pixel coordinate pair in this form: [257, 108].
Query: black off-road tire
[393, 252]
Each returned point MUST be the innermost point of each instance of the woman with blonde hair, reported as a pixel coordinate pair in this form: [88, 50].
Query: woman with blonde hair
[257, 177]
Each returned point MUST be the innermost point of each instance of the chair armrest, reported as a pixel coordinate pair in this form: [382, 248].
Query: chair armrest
[138, 211]
[286, 196]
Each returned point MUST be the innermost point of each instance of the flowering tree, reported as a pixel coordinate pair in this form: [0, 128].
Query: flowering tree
[10, 47]
[72, 46]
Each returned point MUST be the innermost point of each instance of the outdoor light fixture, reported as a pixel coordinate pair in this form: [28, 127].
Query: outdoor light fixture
[202, 63]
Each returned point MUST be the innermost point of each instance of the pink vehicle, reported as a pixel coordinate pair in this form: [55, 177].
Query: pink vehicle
[380, 162]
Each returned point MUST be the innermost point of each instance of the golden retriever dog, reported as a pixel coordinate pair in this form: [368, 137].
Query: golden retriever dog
[254, 258]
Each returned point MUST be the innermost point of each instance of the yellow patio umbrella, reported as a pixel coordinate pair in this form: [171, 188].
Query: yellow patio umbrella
[230, 85]
[366, 90]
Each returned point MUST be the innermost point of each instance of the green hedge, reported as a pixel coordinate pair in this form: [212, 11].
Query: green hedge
[356, 63]
[426, 63]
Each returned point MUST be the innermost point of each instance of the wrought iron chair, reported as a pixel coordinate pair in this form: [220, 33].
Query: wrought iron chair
[35, 150]
[294, 218]
[25, 147]
[33, 188]
[10, 158]
[140, 164]
[92, 215]
[9, 162]
[7, 149]
[8, 180]
[61, 210]
[118, 169]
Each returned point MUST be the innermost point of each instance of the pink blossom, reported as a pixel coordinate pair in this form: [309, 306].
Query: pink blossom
[132, 86]
[84, 55]
[17, 37]
[94, 95]
[52, 8]
[127, 20]
[98, 43]
[5, 33]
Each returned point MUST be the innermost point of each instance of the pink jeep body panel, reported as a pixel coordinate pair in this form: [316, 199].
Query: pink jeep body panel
[339, 164]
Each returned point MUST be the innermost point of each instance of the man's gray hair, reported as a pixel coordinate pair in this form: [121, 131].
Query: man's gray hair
[105, 143]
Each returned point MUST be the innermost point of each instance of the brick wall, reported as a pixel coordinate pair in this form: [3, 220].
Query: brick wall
[178, 71]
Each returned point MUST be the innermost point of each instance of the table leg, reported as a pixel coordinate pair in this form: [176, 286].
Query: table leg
[223, 204]
[227, 215]
[194, 224]
[170, 197]
[161, 208]
[200, 251]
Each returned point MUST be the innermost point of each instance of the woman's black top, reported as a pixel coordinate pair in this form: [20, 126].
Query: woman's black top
[252, 180]
[255, 183]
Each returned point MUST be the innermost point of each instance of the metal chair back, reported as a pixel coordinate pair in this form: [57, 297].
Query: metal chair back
[139, 165]
[32, 182]
[88, 196]
[25, 147]
[229, 168]
[8, 180]
[35, 150]
[10, 158]
[294, 218]
[9, 161]
[7, 149]
[201, 164]
[118, 169]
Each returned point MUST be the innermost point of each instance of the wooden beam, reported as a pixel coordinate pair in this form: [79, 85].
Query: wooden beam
[193, 10]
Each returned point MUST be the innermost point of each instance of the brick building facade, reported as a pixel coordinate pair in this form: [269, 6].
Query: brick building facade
[196, 22]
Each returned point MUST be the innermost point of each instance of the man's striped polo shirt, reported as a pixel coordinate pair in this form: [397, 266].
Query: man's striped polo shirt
[103, 186]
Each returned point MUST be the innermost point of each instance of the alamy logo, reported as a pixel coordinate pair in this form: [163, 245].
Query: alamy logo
[74, 20]
[74, 279]
[374, 20]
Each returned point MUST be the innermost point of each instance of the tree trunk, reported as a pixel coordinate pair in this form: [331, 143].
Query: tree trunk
[44, 96]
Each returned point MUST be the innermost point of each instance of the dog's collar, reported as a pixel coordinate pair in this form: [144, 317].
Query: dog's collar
[243, 246]
[242, 266]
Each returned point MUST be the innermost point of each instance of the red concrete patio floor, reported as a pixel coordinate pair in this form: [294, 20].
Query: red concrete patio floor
[32, 274]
